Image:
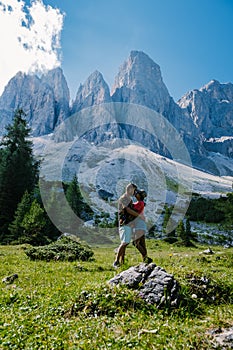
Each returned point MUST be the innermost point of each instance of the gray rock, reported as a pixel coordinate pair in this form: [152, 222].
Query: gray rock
[10, 279]
[208, 251]
[153, 283]
[139, 81]
[222, 338]
[211, 108]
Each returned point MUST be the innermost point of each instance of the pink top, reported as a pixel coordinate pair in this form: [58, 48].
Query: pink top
[139, 206]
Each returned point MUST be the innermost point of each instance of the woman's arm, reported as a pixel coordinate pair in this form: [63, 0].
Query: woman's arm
[134, 213]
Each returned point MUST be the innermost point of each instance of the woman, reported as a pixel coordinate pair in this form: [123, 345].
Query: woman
[125, 229]
[140, 228]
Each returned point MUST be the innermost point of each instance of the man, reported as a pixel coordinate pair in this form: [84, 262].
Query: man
[126, 215]
[125, 230]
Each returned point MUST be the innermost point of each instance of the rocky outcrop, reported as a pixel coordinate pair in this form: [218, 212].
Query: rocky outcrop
[57, 81]
[45, 100]
[93, 92]
[140, 81]
[211, 109]
[222, 145]
[153, 283]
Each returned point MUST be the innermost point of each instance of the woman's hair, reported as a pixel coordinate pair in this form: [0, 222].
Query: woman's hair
[142, 194]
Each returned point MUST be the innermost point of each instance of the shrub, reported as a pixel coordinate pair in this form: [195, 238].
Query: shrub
[65, 249]
[208, 290]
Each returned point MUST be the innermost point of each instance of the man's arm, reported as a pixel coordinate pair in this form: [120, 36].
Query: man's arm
[134, 213]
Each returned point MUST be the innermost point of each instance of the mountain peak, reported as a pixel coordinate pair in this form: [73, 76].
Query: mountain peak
[138, 70]
[94, 91]
[95, 78]
[219, 91]
[134, 53]
[139, 80]
[45, 100]
[19, 75]
[211, 108]
[141, 57]
[54, 72]
[96, 73]
[211, 84]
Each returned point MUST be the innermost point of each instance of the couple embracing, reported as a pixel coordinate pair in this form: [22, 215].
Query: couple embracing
[132, 223]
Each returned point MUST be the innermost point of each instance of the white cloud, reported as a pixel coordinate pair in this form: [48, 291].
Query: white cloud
[29, 38]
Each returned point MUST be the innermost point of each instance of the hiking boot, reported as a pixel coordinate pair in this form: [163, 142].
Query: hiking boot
[147, 260]
[116, 264]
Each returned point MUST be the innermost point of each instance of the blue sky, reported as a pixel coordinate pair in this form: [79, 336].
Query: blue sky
[191, 40]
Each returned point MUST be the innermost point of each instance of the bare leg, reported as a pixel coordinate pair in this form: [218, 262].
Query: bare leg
[143, 245]
[140, 243]
[121, 253]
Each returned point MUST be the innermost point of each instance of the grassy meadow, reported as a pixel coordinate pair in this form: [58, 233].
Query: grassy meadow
[45, 307]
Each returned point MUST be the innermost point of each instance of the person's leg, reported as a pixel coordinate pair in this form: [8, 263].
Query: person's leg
[139, 243]
[146, 258]
[142, 243]
[125, 237]
[121, 253]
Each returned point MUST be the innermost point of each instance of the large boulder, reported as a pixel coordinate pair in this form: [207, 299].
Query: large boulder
[153, 283]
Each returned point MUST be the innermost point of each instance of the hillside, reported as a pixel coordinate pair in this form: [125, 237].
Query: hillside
[36, 309]
[107, 168]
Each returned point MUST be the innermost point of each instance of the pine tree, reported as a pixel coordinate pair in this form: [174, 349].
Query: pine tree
[228, 211]
[18, 170]
[52, 205]
[76, 202]
[181, 233]
[23, 207]
[45, 230]
[188, 229]
[167, 215]
[184, 234]
[33, 225]
[73, 196]
[169, 235]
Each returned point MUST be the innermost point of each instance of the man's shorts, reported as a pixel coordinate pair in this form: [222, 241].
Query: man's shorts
[125, 233]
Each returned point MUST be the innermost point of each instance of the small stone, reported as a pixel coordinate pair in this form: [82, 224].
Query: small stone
[208, 251]
[10, 279]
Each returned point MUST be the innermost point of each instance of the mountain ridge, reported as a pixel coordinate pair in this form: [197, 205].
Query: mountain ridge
[203, 117]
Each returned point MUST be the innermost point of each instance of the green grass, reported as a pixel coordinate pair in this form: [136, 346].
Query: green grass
[37, 310]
